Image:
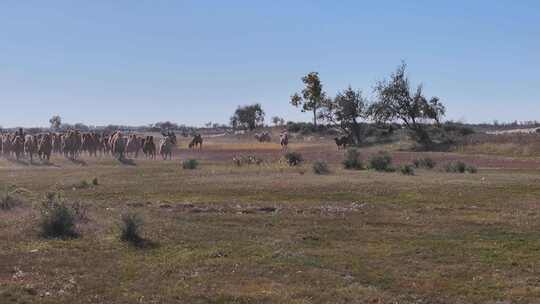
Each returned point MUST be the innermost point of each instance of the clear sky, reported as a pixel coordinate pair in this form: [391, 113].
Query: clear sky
[139, 62]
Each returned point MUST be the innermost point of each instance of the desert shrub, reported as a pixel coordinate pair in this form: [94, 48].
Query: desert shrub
[320, 167]
[471, 169]
[57, 219]
[381, 161]
[80, 211]
[190, 164]
[131, 228]
[240, 160]
[407, 170]
[455, 167]
[84, 184]
[8, 200]
[95, 181]
[352, 159]
[425, 162]
[460, 167]
[457, 129]
[293, 158]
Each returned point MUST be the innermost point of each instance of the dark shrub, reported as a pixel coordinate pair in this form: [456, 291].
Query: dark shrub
[457, 129]
[80, 211]
[425, 162]
[471, 169]
[81, 185]
[240, 160]
[456, 167]
[294, 158]
[7, 200]
[95, 181]
[352, 160]
[459, 167]
[57, 219]
[320, 167]
[131, 228]
[190, 164]
[381, 161]
[407, 170]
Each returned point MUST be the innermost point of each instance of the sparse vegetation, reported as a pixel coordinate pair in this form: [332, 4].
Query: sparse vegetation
[131, 228]
[293, 158]
[382, 161]
[57, 219]
[406, 169]
[425, 162]
[320, 167]
[190, 164]
[8, 200]
[95, 181]
[459, 167]
[352, 160]
[84, 184]
[240, 160]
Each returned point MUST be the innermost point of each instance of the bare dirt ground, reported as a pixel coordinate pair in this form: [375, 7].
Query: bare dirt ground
[275, 234]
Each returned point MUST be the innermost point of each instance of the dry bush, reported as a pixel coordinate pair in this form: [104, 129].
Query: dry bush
[382, 161]
[57, 219]
[8, 199]
[460, 167]
[320, 167]
[131, 228]
[425, 162]
[190, 164]
[407, 170]
[352, 159]
[241, 160]
[294, 158]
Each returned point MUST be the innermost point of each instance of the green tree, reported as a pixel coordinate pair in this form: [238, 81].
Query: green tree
[248, 117]
[396, 101]
[346, 110]
[278, 121]
[312, 97]
[56, 122]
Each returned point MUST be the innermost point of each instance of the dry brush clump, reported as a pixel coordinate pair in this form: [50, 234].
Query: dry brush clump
[460, 167]
[407, 169]
[131, 229]
[352, 160]
[425, 162]
[241, 160]
[293, 159]
[382, 161]
[58, 219]
[320, 167]
[190, 164]
[8, 199]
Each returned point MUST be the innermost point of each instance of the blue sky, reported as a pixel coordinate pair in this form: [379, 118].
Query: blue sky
[139, 62]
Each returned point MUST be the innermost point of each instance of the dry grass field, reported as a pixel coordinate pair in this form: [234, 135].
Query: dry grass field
[270, 233]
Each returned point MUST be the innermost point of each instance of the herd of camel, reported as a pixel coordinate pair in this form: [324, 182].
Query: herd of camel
[73, 143]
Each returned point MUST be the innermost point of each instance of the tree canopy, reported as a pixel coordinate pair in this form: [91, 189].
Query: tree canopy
[345, 111]
[248, 117]
[312, 97]
[397, 101]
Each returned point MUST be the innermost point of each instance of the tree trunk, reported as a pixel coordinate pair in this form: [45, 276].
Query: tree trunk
[356, 132]
[315, 117]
